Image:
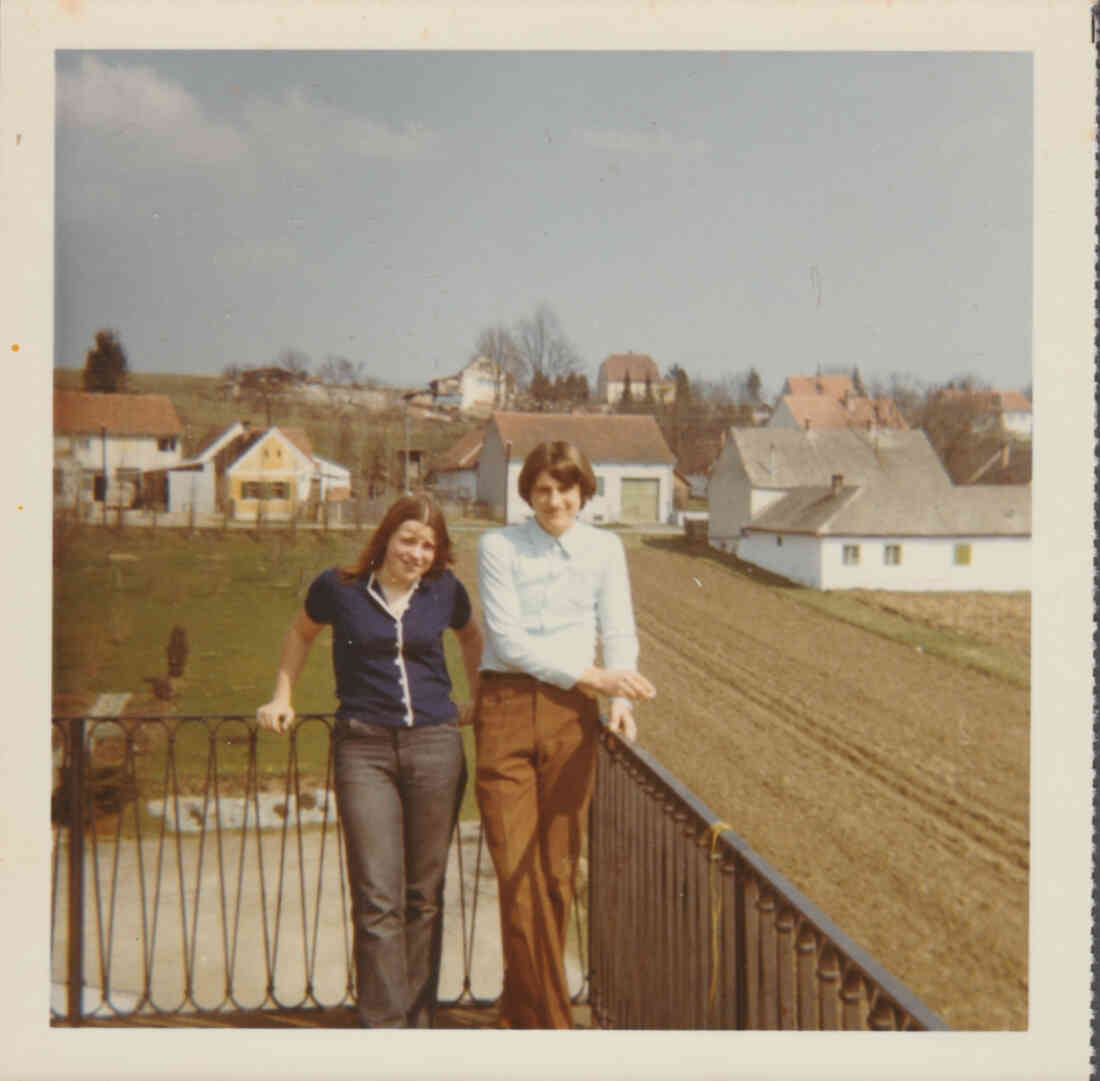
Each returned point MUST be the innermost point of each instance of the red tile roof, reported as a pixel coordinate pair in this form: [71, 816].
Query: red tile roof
[834, 386]
[300, 439]
[639, 365]
[991, 401]
[825, 412]
[463, 455]
[76, 412]
[603, 438]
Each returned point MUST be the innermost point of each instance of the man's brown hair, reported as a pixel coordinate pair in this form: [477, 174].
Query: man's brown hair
[566, 463]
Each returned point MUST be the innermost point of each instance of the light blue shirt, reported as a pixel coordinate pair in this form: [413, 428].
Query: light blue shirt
[547, 600]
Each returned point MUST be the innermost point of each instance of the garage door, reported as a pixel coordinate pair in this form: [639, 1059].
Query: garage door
[640, 499]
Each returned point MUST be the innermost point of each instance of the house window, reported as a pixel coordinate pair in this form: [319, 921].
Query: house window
[962, 555]
[84, 443]
[779, 542]
[851, 555]
[166, 443]
[891, 555]
[275, 489]
[599, 485]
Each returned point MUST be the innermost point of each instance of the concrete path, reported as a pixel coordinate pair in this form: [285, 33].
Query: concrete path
[230, 919]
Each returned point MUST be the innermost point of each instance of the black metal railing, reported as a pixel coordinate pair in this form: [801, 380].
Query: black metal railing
[690, 929]
[208, 879]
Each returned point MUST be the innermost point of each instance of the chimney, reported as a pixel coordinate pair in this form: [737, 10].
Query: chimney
[838, 482]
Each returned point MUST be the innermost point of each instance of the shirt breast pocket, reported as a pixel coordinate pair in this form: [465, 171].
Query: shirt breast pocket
[580, 587]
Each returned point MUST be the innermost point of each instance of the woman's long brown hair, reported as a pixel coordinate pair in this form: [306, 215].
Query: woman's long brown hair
[416, 508]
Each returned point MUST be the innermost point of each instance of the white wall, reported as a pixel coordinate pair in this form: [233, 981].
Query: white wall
[997, 564]
[457, 483]
[122, 451]
[492, 481]
[608, 507]
[192, 489]
[797, 558]
[729, 498]
[1017, 422]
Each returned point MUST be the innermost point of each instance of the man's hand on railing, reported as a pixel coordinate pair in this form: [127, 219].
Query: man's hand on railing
[616, 683]
[276, 716]
[620, 719]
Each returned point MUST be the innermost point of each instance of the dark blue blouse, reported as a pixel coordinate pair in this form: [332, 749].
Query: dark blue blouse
[390, 671]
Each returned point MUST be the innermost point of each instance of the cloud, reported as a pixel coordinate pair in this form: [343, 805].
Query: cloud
[644, 143]
[133, 104]
[302, 130]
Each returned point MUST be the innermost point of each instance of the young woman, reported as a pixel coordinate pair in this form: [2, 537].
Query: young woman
[549, 587]
[399, 765]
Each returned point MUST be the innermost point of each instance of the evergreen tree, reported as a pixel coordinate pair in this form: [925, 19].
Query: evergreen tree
[626, 399]
[105, 367]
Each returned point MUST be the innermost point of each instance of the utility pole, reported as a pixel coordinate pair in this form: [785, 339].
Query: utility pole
[405, 401]
[103, 455]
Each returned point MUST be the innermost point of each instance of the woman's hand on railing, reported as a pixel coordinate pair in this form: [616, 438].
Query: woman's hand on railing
[276, 716]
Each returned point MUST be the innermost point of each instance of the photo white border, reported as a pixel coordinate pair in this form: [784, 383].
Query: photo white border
[1057, 1043]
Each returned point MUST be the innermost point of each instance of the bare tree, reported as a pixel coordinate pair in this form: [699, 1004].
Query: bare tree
[295, 362]
[340, 371]
[544, 347]
[498, 344]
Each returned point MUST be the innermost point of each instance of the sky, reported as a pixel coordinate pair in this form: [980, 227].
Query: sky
[720, 210]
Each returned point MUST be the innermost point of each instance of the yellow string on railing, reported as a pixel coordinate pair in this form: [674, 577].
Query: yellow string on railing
[715, 913]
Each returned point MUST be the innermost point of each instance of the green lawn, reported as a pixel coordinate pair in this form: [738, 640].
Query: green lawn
[117, 597]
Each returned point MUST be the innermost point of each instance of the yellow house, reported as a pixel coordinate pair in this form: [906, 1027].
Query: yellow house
[276, 474]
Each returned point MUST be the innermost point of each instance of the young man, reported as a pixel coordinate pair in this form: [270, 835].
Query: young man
[549, 587]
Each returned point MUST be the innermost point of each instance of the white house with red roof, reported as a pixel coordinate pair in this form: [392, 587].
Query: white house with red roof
[636, 368]
[1006, 412]
[104, 444]
[632, 462]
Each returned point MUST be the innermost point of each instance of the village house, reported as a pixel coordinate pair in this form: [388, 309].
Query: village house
[831, 401]
[453, 474]
[845, 509]
[619, 369]
[480, 387]
[280, 476]
[999, 412]
[104, 443]
[242, 469]
[629, 455]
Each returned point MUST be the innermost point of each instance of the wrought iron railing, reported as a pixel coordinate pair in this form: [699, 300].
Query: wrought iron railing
[690, 929]
[208, 879]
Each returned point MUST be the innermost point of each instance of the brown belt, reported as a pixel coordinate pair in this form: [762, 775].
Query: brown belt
[521, 676]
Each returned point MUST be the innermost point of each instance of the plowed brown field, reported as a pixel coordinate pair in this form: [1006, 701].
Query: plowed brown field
[890, 785]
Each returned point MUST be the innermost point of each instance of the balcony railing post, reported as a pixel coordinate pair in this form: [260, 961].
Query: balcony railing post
[76, 871]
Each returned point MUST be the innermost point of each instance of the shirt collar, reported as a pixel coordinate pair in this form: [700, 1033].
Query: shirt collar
[570, 541]
[374, 587]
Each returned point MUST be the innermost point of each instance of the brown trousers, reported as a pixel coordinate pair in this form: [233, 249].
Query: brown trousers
[536, 763]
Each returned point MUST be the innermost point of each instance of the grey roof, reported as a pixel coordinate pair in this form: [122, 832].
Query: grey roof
[786, 458]
[883, 509]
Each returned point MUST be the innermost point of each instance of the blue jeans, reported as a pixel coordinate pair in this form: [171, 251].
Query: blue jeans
[398, 792]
